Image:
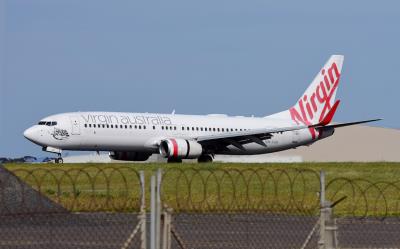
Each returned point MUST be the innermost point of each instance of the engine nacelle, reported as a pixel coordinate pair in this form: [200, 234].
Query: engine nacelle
[180, 149]
[129, 155]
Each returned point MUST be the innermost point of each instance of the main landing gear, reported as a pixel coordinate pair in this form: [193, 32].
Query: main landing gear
[174, 160]
[205, 159]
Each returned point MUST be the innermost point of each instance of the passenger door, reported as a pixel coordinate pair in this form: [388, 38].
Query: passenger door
[76, 129]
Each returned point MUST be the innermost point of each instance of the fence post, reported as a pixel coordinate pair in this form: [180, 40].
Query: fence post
[153, 212]
[143, 212]
[327, 233]
[158, 208]
[330, 229]
[321, 241]
[166, 244]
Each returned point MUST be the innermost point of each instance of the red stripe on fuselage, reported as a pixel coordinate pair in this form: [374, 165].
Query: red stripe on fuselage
[175, 145]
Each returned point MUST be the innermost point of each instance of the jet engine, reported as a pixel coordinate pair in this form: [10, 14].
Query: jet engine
[129, 155]
[180, 149]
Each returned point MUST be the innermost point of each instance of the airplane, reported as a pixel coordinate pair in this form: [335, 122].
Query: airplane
[136, 136]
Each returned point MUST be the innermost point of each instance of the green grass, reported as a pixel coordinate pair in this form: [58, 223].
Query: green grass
[280, 188]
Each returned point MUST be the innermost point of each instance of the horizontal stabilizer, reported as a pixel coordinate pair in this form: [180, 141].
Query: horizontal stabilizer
[348, 124]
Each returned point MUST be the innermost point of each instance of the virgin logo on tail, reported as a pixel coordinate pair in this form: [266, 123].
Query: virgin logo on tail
[306, 111]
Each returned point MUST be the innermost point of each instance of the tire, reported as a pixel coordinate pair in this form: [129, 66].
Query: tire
[174, 160]
[205, 159]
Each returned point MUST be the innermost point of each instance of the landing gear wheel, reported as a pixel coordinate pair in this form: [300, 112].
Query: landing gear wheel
[59, 159]
[205, 159]
[174, 160]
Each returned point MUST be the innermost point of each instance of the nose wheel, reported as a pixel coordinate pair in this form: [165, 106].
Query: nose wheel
[59, 159]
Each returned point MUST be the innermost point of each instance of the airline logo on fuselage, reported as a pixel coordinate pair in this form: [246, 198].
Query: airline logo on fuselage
[308, 107]
[127, 119]
[60, 134]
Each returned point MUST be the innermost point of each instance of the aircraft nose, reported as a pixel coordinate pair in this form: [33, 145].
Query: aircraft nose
[29, 134]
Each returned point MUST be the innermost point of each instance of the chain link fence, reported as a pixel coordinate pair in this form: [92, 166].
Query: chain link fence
[278, 208]
[78, 208]
[250, 208]
[105, 207]
[368, 216]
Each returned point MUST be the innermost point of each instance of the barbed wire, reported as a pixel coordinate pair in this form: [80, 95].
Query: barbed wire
[90, 188]
[118, 188]
[227, 190]
[289, 190]
[364, 198]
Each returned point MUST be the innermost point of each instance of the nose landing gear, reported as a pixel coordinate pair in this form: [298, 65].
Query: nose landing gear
[59, 159]
[56, 151]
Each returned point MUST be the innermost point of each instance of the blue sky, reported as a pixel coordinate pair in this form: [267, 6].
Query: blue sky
[198, 57]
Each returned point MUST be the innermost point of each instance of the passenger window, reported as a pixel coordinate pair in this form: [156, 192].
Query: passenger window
[218, 129]
[53, 123]
[183, 128]
[104, 126]
[140, 127]
[85, 125]
[90, 125]
[130, 126]
[154, 127]
[108, 126]
[175, 128]
[222, 129]
[213, 129]
[205, 129]
[197, 128]
[201, 128]
[192, 128]
[162, 127]
[144, 127]
[112, 126]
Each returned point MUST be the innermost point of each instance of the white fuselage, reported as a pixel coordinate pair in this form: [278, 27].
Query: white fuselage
[142, 132]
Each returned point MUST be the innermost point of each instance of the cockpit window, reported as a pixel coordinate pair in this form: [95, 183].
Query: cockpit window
[48, 123]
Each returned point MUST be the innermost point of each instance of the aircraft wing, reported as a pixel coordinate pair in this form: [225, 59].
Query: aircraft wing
[237, 139]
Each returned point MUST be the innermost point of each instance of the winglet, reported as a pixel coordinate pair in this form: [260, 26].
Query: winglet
[328, 117]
